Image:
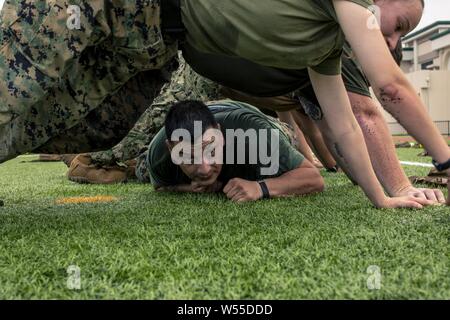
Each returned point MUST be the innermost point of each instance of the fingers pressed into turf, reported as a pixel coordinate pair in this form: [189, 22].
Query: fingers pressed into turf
[423, 202]
[413, 205]
[232, 192]
[439, 196]
[237, 197]
[430, 194]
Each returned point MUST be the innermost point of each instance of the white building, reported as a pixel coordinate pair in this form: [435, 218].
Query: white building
[428, 48]
[426, 62]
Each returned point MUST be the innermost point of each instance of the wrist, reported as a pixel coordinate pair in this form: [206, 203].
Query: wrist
[265, 194]
[381, 202]
[442, 166]
[401, 190]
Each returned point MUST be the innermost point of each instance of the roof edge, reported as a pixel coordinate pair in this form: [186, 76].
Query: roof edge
[431, 26]
[439, 35]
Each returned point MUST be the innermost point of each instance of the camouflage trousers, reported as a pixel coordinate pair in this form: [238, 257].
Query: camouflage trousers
[77, 69]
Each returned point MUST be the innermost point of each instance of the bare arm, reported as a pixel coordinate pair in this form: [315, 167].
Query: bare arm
[330, 143]
[303, 180]
[389, 83]
[349, 142]
[382, 151]
[379, 144]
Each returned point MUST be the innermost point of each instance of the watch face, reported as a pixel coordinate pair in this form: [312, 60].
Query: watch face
[441, 166]
[436, 165]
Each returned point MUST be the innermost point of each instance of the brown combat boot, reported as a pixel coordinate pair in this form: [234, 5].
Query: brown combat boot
[82, 170]
[131, 169]
[423, 154]
[49, 157]
[430, 181]
[434, 173]
[67, 159]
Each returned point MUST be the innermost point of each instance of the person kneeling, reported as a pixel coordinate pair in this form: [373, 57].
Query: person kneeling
[228, 147]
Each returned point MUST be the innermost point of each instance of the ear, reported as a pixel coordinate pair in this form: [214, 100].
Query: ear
[218, 126]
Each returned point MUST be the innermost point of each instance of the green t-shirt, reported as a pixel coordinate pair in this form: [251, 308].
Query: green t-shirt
[263, 81]
[289, 34]
[230, 115]
[354, 79]
[353, 75]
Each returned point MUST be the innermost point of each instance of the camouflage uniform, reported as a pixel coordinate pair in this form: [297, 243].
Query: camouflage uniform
[56, 77]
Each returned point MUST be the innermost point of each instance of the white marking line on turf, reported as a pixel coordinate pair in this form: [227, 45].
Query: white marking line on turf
[417, 164]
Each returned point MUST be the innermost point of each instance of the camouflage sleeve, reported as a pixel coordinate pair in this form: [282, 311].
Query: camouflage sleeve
[38, 44]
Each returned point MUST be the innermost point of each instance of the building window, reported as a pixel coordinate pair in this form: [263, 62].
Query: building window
[426, 64]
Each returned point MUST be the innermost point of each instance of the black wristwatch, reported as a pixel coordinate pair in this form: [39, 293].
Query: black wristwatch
[334, 169]
[441, 166]
[264, 189]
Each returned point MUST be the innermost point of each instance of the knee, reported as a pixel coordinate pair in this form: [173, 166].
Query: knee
[319, 183]
[316, 182]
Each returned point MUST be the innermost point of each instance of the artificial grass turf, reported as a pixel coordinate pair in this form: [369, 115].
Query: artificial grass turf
[171, 246]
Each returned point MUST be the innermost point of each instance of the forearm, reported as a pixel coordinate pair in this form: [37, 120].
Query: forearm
[379, 144]
[306, 179]
[349, 141]
[330, 142]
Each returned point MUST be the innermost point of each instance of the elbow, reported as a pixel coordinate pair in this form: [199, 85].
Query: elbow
[316, 183]
[390, 94]
[364, 109]
[308, 180]
[319, 185]
[389, 84]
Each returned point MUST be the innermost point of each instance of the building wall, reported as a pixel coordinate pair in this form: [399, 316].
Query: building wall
[446, 59]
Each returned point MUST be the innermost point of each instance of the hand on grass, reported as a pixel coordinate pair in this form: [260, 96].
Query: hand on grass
[240, 190]
[434, 195]
[405, 202]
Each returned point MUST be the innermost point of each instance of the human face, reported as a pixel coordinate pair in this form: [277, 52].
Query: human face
[398, 18]
[204, 169]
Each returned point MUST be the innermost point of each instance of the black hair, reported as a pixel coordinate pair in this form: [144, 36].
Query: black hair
[183, 114]
[398, 52]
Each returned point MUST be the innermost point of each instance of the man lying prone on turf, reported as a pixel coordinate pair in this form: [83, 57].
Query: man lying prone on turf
[230, 147]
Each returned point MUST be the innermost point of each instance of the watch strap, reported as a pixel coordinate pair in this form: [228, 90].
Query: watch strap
[264, 189]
